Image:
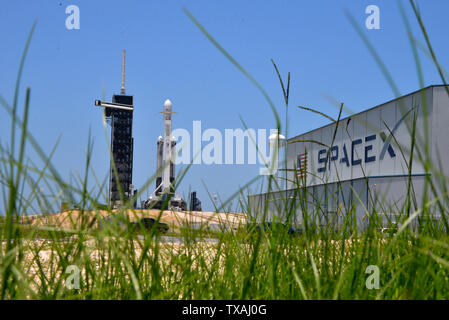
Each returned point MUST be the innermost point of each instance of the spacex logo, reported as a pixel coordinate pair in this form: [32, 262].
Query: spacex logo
[358, 151]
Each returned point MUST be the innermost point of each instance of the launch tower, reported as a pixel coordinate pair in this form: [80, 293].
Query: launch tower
[119, 114]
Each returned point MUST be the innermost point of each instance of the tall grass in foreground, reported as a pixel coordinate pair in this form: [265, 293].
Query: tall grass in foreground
[324, 262]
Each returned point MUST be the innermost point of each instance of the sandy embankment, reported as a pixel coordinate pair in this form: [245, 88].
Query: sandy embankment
[75, 219]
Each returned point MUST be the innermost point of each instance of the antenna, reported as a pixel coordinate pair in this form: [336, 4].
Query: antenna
[122, 91]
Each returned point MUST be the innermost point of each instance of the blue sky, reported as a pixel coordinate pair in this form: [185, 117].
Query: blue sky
[168, 57]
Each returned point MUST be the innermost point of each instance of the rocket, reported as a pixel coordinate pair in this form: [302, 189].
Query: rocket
[165, 171]
[166, 149]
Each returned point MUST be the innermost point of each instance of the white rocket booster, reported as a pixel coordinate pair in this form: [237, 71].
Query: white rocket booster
[160, 155]
[168, 147]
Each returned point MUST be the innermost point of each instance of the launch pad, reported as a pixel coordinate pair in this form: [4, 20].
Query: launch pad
[119, 114]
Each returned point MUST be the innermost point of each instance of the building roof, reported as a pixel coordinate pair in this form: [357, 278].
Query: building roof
[369, 109]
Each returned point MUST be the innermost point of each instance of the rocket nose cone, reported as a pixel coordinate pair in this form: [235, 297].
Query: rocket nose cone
[167, 104]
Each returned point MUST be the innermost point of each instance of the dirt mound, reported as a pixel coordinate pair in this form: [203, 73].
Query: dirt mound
[76, 219]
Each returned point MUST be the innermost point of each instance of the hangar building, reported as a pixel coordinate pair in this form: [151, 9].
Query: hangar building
[364, 164]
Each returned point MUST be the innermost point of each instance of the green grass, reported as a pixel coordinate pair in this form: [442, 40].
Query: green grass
[323, 263]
